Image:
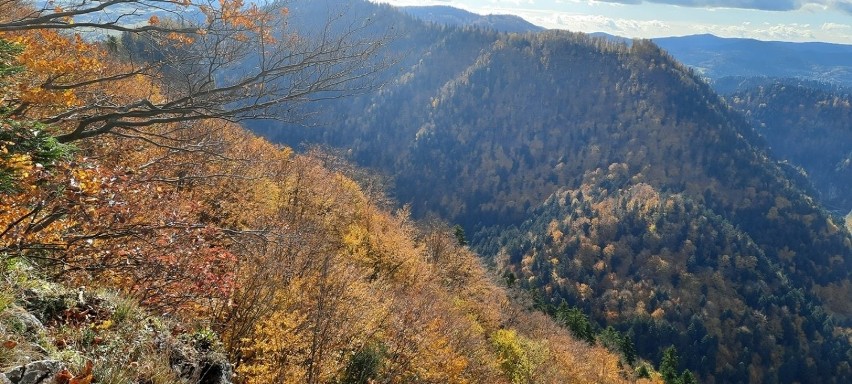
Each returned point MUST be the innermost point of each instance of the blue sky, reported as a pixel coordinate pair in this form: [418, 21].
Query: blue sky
[785, 20]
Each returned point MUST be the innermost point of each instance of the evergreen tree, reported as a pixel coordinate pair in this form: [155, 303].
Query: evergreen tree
[669, 366]
[458, 232]
[628, 349]
[364, 366]
[642, 372]
[610, 339]
[687, 377]
[576, 321]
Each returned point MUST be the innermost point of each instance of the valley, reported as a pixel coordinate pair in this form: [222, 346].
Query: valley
[330, 191]
[586, 168]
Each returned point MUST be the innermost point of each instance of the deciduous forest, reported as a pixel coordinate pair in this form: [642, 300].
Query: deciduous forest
[336, 192]
[544, 146]
[144, 231]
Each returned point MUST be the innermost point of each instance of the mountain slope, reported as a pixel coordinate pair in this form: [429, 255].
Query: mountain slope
[809, 127]
[483, 128]
[665, 270]
[280, 261]
[495, 145]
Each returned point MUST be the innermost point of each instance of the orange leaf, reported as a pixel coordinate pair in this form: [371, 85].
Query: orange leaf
[84, 377]
[63, 377]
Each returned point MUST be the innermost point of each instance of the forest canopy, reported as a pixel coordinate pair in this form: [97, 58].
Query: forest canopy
[127, 175]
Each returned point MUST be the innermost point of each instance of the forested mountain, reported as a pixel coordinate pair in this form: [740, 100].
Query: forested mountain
[717, 57]
[146, 239]
[796, 97]
[445, 15]
[810, 127]
[613, 178]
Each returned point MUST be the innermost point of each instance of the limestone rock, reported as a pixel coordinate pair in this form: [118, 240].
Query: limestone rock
[37, 372]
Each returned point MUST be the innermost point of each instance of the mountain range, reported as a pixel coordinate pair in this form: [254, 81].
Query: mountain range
[749, 66]
[717, 57]
[711, 56]
[612, 178]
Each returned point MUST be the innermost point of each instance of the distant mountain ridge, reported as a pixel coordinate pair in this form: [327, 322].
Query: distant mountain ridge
[446, 15]
[712, 56]
[717, 57]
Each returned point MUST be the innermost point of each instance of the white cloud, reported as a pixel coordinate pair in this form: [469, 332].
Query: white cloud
[591, 23]
[764, 5]
[766, 31]
[835, 27]
[658, 28]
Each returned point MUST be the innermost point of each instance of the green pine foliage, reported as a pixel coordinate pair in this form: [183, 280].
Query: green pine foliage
[23, 143]
[364, 365]
[8, 52]
[458, 232]
[687, 378]
[575, 320]
[628, 350]
[669, 366]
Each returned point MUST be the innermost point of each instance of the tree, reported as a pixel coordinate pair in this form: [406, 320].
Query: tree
[225, 61]
[669, 366]
[628, 349]
[458, 232]
[576, 321]
[8, 51]
[25, 144]
[687, 377]
[112, 15]
[513, 356]
[642, 372]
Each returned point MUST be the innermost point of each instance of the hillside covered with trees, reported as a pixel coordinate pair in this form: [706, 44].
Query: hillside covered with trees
[652, 183]
[122, 175]
[810, 126]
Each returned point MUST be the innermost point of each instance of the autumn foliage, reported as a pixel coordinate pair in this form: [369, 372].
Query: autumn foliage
[306, 277]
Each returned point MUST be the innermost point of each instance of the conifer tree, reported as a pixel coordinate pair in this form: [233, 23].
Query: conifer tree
[628, 349]
[687, 377]
[669, 366]
[576, 321]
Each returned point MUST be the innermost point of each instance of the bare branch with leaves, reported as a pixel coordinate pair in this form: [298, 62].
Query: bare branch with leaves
[226, 61]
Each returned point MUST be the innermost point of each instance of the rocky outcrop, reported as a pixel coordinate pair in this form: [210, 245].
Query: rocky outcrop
[26, 320]
[30, 322]
[37, 372]
[195, 360]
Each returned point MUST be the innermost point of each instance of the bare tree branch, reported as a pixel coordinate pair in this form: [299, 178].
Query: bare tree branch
[231, 64]
[113, 15]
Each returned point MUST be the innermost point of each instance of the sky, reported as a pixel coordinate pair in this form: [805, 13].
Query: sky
[781, 20]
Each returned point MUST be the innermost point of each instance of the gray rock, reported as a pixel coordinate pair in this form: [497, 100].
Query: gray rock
[24, 319]
[201, 366]
[37, 372]
[4, 379]
[215, 369]
[15, 374]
